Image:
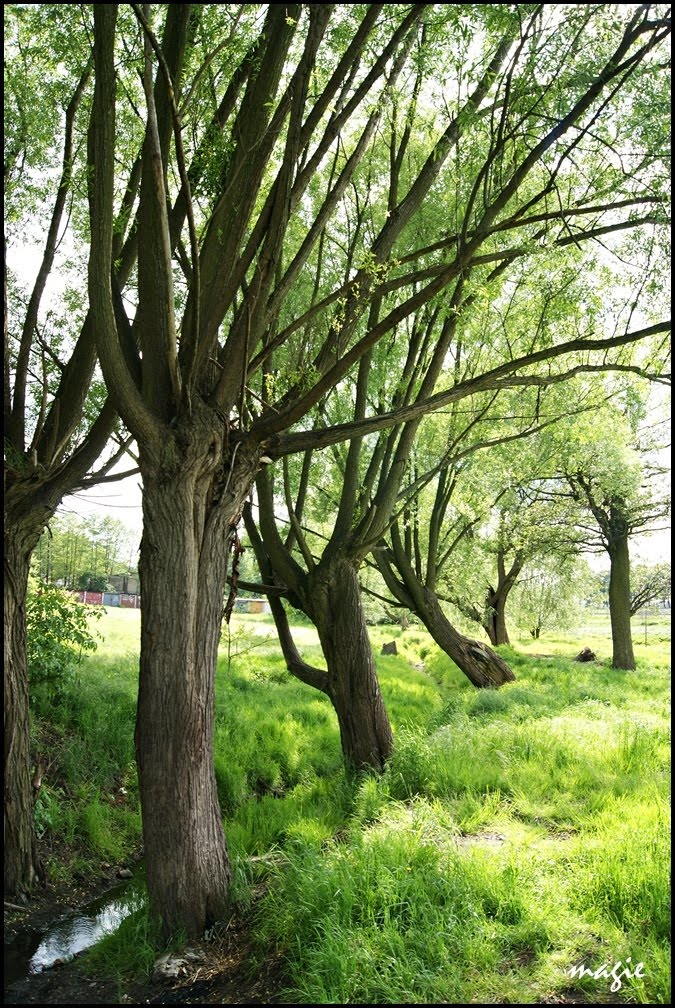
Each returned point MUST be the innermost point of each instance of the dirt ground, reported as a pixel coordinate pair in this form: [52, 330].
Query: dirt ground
[219, 971]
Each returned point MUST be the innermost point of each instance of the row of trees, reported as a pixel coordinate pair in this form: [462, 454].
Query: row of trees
[84, 553]
[299, 233]
[478, 523]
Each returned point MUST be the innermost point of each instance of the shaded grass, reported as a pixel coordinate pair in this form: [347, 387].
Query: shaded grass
[87, 810]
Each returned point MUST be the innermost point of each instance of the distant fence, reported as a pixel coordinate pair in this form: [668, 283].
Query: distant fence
[129, 601]
[121, 599]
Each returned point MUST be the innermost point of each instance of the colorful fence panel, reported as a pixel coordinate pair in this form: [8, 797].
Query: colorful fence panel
[91, 598]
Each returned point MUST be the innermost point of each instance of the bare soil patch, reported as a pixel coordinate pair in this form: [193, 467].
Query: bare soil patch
[224, 970]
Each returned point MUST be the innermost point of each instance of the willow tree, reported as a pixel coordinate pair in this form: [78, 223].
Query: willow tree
[617, 505]
[57, 421]
[603, 477]
[466, 520]
[464, 537]
[252, 300]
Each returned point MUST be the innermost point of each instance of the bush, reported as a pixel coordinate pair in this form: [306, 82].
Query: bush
[58, 634]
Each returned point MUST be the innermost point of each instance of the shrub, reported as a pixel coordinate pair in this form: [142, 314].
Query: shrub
[58, 633]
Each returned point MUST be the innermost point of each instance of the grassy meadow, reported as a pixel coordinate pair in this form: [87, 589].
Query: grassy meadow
[516, 835]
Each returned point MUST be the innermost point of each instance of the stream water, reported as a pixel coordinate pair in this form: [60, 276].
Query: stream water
[33, 951]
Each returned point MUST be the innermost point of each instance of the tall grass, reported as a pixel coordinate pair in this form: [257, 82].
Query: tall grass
[515, 834]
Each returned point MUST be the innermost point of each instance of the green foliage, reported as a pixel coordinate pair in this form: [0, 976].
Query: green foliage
[48, 814]
[88, 581]
[58, 634]
[84, 553]
[46, 49]
[551, 593]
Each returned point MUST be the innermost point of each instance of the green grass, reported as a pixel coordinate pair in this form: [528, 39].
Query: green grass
[514, 834]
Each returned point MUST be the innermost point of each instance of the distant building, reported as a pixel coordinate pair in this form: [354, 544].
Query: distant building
[251, 605]
[122, 600]
[126, 584]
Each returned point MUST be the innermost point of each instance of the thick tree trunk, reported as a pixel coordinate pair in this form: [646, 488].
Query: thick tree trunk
[619, 604]
[479, 663]
[335, 600]
[330, 596]
[494, 620]
[189, 516]
[22, 867]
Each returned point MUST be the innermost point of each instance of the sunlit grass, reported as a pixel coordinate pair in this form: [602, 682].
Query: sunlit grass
[515, 832]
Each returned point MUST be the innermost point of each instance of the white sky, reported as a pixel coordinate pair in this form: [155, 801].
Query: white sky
[123, 501]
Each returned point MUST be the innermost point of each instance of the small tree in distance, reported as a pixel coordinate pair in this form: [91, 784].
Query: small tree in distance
[649, 583]
[552, 595]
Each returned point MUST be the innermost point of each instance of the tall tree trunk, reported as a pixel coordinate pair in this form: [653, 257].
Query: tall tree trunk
[334, 597]
[32, 494]
[23, 526]
[189, 514]
[479, 663]
[494, 620]
[619, 603]
[330, 595]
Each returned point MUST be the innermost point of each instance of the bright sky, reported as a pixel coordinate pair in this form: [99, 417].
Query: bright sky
[123, 501]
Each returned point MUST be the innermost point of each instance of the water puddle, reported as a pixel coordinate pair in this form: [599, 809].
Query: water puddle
[33, 952]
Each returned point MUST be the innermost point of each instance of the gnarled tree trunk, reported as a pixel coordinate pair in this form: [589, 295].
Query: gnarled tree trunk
[334, 597]
[22, 866]
[479, 663]
[190, 513]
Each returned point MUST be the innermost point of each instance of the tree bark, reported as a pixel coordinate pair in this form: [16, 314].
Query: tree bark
[615, 522]
[22, 868]
[479, 663]
[494, 620]
[623, 656]
[334, 598]
[330, 596]
[191, 508]
[24, 523]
